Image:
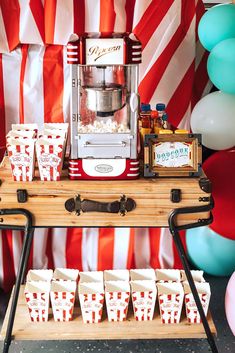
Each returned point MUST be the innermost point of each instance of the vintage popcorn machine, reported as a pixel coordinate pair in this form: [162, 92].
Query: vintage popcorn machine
[104, 106]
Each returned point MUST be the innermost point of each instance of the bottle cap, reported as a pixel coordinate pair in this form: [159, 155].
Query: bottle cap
[154, 114]
[165, 117]
[145, 107]
[160, 107]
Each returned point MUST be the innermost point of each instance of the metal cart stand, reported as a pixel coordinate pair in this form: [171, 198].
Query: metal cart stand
[177, 202]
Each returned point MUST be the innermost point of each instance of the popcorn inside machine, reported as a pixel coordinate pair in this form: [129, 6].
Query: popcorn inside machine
[104, 106]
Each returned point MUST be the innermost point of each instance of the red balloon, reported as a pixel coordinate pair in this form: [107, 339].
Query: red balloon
[220, 169]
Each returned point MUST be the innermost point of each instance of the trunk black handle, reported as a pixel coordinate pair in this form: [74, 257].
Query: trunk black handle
[122, 206]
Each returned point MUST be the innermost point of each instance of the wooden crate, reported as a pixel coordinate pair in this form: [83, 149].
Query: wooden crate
[152, 196]
[24, 329]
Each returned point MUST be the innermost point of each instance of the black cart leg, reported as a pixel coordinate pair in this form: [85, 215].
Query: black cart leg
[21, 270]
[175, 233]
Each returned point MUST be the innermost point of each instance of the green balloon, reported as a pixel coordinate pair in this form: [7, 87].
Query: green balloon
[216, 25]
[211, 252]
[221, 66]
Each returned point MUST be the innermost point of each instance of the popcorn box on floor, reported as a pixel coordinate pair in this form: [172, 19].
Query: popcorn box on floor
[50, 158]
[116, 275]
[168, 275]
[37, 298]
[62, 299]
[21, 154]
[204, 293]
[117, 295]
[39, 275]
[143, 274]
[170, 297]
[143, 298]
[91, 296]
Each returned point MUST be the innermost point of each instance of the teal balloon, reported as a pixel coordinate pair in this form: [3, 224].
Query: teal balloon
[221, 66]
[210, 252]
[216, 25]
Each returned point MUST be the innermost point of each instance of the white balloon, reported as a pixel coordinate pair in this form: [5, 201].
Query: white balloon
[214, 118]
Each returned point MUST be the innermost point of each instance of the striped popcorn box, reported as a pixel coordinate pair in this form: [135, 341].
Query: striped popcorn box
[39, 275]
[143, 274]
[53, 133]
[62, 299]
[57, 126]
[91, 276]
[168, 275]
[37, 298]
[143, 298]
[117, 295]
[196, 274]
[25, 127]
[21, 134]
[49, 156]
[91, 296]
[21, 154]
[65, 274]
[204, 293]
[116, 275]
[170, 298]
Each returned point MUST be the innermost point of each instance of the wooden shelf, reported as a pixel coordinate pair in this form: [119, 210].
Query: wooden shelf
[46, 200]
[24, 329]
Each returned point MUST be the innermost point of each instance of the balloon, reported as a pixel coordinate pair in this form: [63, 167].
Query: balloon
[220, 169]
[216, 25]
[210, 252]
[221, 65]
[214, 118]
[230, 303]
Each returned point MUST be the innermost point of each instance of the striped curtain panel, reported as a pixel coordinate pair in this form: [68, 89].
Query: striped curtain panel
[35, 87]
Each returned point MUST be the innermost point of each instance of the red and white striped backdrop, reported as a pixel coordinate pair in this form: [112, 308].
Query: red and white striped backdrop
[35, 87]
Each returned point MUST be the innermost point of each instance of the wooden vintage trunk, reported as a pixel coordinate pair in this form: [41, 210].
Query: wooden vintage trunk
[153, 198]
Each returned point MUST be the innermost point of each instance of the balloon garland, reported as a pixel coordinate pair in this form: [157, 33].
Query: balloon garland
[209, 248]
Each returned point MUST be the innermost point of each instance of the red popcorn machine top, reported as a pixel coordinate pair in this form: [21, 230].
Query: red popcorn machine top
[104, 106]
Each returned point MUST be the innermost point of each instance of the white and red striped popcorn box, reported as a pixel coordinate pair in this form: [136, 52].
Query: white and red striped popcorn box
[196, 274]
[62, 299]
[21, 154]
[204, 293]
[143, 274]
[170, 298]
[22, 134]
[37, 298]
[39, 275]
[143, 298]
[116, 275]
[91, 276]
[26, 127]
[91, 297]
[65, 274]
[117, 295]
[168, 275]
[50, 158]
[57, 126]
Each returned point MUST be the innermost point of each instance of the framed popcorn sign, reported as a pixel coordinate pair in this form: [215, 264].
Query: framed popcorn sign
[172, 155]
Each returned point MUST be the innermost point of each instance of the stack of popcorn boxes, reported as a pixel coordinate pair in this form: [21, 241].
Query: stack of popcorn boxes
[24, 142]
[115, 288]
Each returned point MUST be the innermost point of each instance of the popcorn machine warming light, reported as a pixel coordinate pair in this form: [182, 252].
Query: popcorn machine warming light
[104, 106]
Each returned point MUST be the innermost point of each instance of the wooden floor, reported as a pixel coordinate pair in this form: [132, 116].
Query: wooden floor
[24, 329]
